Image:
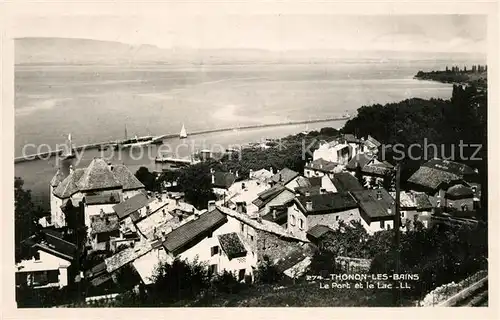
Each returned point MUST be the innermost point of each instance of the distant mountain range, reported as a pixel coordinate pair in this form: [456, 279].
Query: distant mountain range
[36, 51]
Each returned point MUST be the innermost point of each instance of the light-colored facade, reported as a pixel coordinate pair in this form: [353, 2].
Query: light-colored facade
[47, 271]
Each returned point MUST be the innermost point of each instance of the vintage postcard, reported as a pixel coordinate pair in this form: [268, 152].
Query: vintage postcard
[166, 156]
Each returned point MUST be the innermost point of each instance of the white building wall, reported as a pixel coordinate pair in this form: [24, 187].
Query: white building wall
[95, 210]
[327, 184]
[46, 262]
[202, 250]
[57, 216]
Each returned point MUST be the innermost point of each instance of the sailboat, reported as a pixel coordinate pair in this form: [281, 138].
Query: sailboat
[183, 133]
[69, 154]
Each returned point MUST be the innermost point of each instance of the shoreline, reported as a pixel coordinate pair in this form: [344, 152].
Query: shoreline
[50, 154]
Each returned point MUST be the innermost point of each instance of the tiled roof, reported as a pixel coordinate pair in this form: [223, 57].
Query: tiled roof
[422, 201]
[315, 181]
[311, 190]
[457, 168]
[126, 178]
[263, 225]
[318, 231]
[373, 141]
[232, 245]
[284, 176]
[361, 158]
[303, 181]
[182, 236]
[327, 202]
[350, 138]
[50, 243]
[262, 174]
[58, 178]
[108, 223]
[147, 225]
[322, 165]
[432, 178]
[96, 270]
[128, 206]
[291, 259]
[344, 181]
[459, 191]
[68, 186]
[223, 180]
[102, 198]
[127, 255]
[373, 207]
[406, 200]
[98, 176]
[266, 196]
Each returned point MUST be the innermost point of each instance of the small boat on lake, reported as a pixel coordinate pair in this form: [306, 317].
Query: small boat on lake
[183, 133]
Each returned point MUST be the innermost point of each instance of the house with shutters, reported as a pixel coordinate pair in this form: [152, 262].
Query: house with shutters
[99, 186]
[336, 151]
[321, 167]
[448, 184]
[222, 238]
[275, 196]
[289, 179]
[371, 168]
[329, 209]
[377, 209]
[53, 262]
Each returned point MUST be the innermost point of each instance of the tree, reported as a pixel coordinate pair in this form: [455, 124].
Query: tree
[179, 280]
[25, 218]
[267, 272]
[147, 178]
[196, 183]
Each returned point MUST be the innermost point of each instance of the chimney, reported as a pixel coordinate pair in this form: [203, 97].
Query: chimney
[71, 169]
[379, 194]
[274, 213]
[237, 174]
[211, 205]
[155, 236]
[271, 170]
[309, 205]
[164, 212]
[250, 173]
[177, 201]
[259, 219]
[213, 178]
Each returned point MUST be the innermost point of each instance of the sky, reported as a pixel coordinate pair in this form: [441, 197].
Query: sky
[409, 33]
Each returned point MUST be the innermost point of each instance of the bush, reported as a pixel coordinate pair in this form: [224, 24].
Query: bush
[323, 263]
[267, 272]
[179, 280]
[226, 282]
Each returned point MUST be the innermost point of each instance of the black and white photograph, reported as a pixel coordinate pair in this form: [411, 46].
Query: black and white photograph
[182, 160]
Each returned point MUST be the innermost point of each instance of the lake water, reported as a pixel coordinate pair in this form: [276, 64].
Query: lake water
[95, 103]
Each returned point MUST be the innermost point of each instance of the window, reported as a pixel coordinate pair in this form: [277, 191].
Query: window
[382, 225]
[241, 274]
[214, 250]
[336, 218]
[388, 227]
[301, 223]
[292, 222]
[242, 227]
[251, 237]
[402, 214]
[464, 207]
[213, 269]
[438, 203]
